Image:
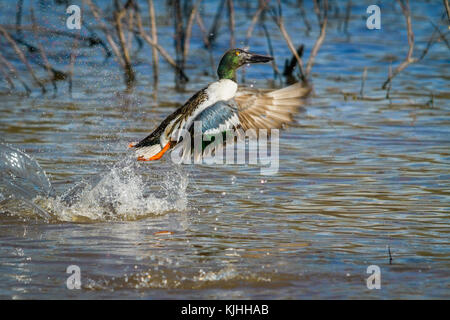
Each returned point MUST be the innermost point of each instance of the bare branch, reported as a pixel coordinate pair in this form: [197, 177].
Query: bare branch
[22, 58]
[441, 35]
[97, 12]
[154, 33]
[216, 24]
[304, 16]
[119, 13]
[323, 26]
[53, 73]
[19, 18]
[14, 71]
[179, 42]
[160, 49]
[7, 77]
[262, 7]
[276, 72]
[231, 24]
[201, 25]
[189, 28]
[278, 18]
[72, 62]
[409, 59]
[348, 10]
[447, 9]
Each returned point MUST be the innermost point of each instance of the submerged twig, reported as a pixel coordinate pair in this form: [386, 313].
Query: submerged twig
[363, 82]
[390, 255]
[388, 91]
[289, 66]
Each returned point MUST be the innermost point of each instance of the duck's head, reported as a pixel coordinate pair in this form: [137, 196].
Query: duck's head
[235, 58]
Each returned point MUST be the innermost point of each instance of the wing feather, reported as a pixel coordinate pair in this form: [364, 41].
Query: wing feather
[218, 118]
[262, 109]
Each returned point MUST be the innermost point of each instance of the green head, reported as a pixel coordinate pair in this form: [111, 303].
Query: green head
[235, 58]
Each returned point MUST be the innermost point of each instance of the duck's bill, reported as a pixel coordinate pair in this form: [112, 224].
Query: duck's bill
[257, 58]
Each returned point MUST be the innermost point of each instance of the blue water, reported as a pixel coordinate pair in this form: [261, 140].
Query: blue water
[357, 177]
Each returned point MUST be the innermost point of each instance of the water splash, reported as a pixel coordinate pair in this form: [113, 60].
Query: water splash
[127, 191]
[21, 180]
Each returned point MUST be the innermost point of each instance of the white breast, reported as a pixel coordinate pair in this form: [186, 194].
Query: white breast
[223, 89]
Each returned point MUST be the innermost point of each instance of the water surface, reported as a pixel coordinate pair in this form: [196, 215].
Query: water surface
[357, 178]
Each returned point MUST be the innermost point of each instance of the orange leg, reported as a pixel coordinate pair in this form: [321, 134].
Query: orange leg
[132, 144]
[156, 156]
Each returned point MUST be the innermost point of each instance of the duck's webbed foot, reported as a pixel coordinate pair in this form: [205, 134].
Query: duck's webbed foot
[156, 156]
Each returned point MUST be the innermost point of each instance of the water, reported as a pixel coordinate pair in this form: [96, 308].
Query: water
[357, 178]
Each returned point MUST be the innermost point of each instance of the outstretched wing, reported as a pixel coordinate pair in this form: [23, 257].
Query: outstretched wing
[218, 118]
[262, 109]
[215, 120]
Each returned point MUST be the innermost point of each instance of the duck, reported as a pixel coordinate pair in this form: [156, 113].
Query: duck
[223, 105]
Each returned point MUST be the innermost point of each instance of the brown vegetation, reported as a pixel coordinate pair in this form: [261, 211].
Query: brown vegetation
[122, 24]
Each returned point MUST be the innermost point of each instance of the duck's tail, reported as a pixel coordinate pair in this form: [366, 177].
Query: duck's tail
[148, 148]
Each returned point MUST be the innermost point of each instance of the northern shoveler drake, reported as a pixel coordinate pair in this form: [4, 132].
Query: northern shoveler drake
[222, 106]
